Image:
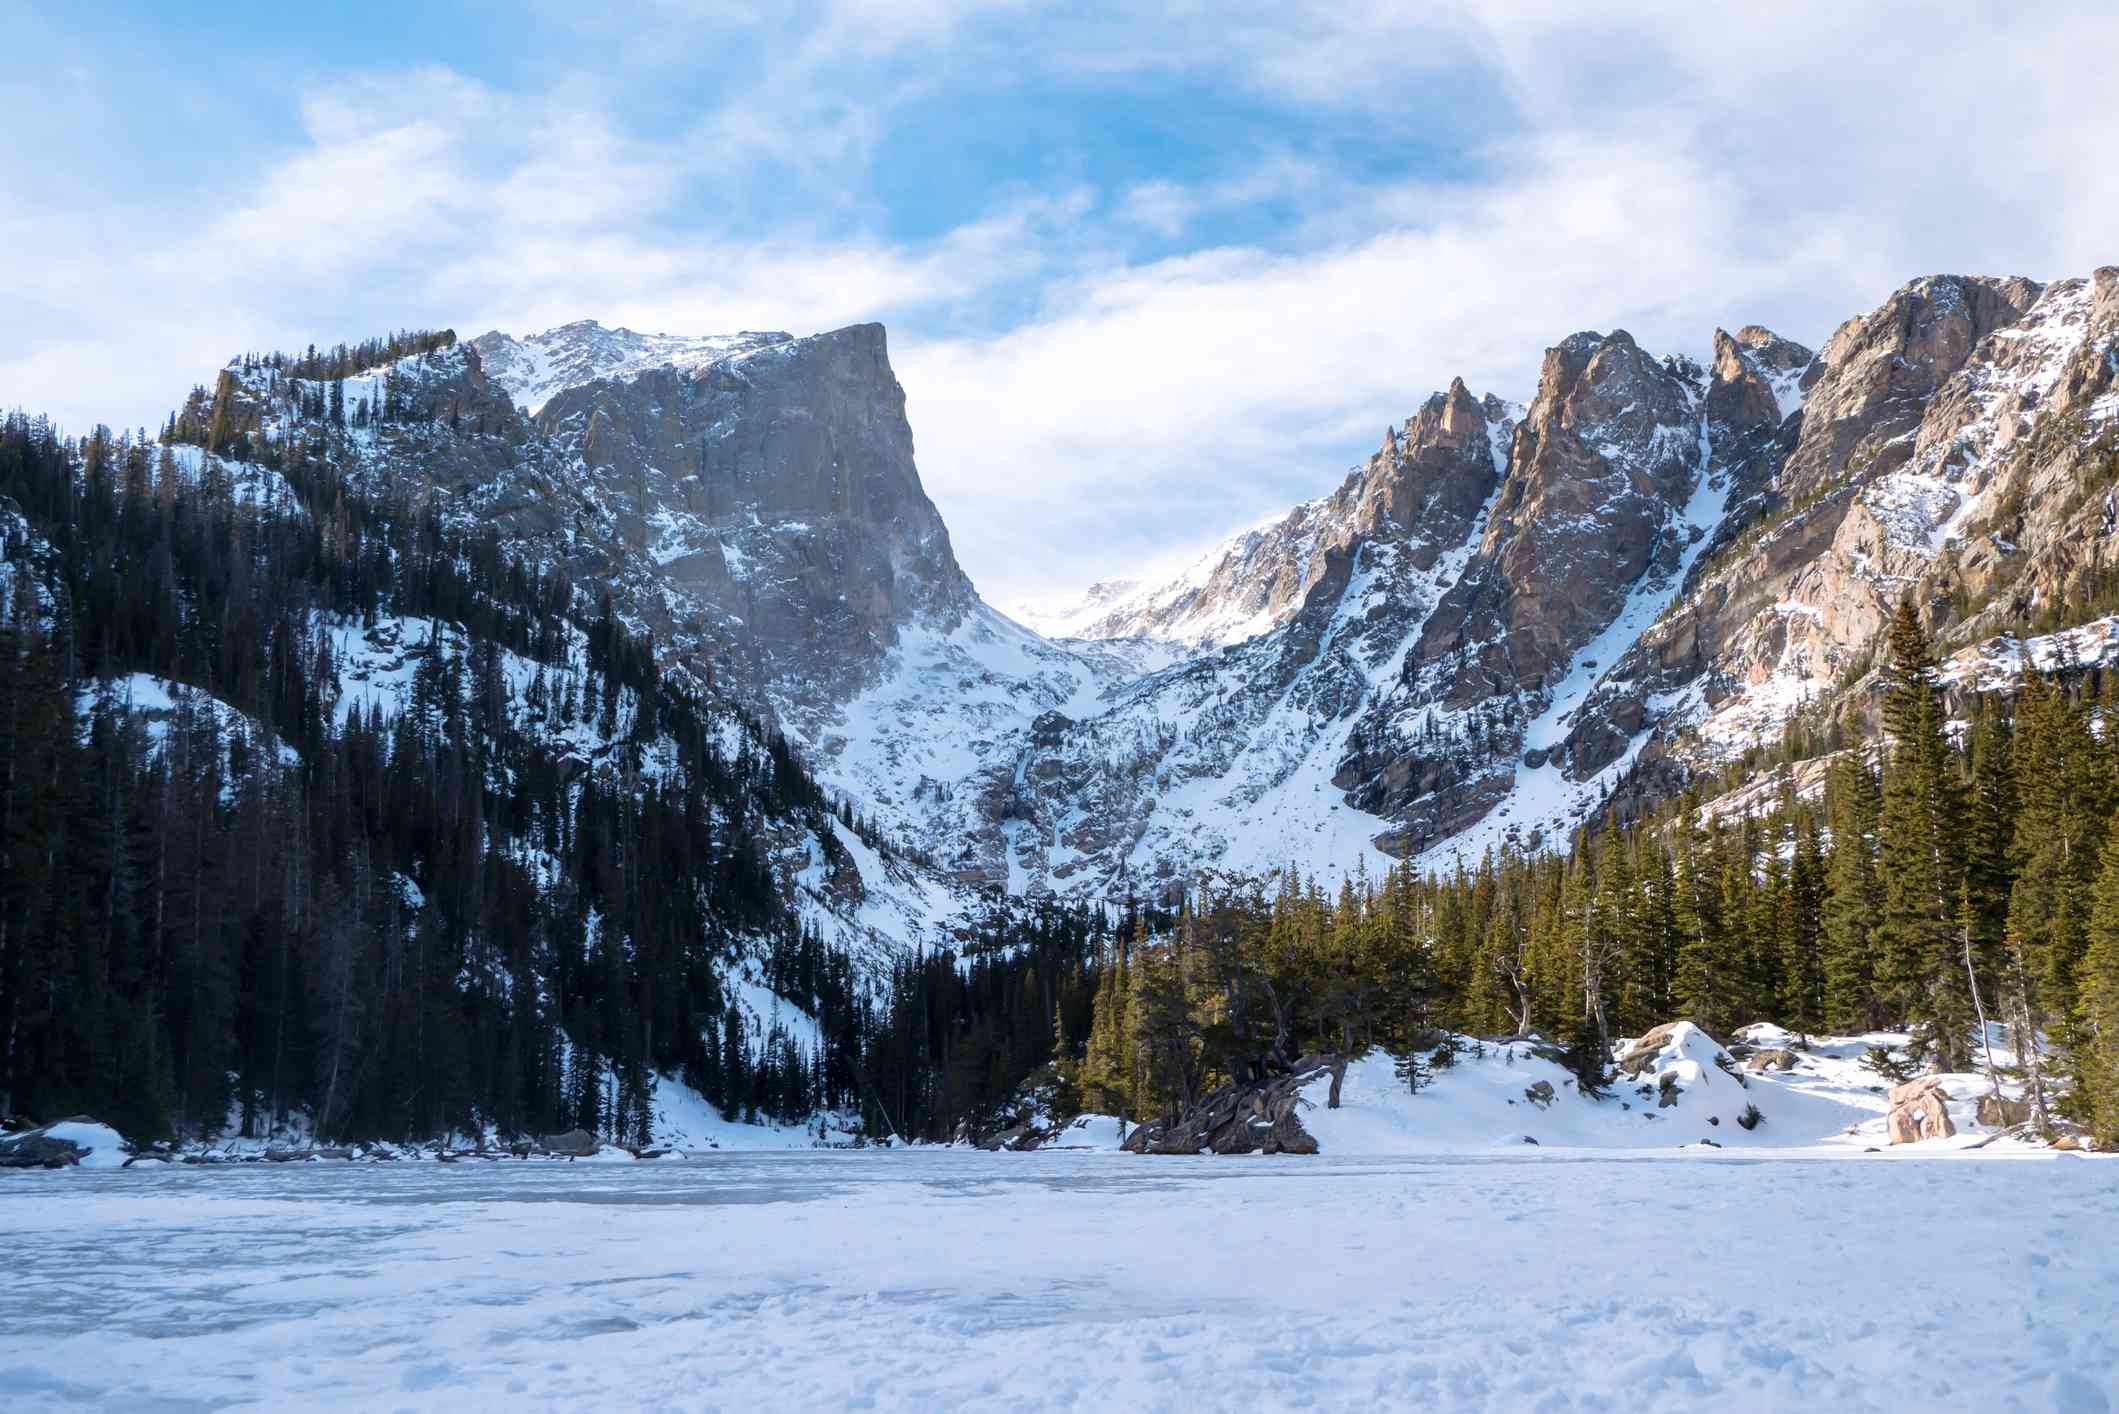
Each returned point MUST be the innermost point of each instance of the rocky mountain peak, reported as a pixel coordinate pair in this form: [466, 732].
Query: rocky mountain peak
[1420, 491]
[1757, 378]
[1872, 382]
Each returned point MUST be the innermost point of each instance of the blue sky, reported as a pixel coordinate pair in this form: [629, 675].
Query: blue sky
[1151, 274]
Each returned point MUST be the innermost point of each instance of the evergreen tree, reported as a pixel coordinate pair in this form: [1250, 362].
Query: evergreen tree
[1853, 902]
[2097, 1077]
[1918, 855]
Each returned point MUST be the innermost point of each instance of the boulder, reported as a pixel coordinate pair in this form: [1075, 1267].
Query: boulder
[1642, 1053]
[34, 1149]
[1775, 1059]
[69, 1142]
[1914, 1089]
[1015, 1137]
[2002, 1112]
[1540, 1094]
[574, 1144]
[1289, 1137]
[1922, 1114]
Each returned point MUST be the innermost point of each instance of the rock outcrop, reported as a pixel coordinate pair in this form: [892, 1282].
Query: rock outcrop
[771, 495]
[1920, 1110]
[574, 1144]
[2001, 1112]
[37, 1149]
[1641, 1053]
[64, 1144]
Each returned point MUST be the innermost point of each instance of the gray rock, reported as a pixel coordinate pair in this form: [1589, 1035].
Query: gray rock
[37, 1149]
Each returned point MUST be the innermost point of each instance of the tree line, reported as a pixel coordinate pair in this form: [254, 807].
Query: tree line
[1950, 874]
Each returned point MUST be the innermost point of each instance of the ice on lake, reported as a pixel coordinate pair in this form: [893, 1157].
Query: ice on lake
[1088, 1281]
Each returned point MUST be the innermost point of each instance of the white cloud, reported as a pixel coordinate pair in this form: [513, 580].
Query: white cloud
[1669, 169]
[1078, 414]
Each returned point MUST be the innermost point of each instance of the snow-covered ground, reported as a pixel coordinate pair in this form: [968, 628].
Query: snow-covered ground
[1690, 1094]
[953, 1280]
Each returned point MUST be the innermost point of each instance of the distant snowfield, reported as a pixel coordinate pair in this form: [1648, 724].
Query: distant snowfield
[951, 1279]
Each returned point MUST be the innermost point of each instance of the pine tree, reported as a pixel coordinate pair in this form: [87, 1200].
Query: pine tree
[2055, 851]
[1853, 903]
[1802, 943]
[2097, 1077]
[1697, 987]
[1066, 1072]
[1918, 856]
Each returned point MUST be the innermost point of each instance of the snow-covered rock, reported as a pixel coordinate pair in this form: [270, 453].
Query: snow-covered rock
[535, 368]
[79, 1142]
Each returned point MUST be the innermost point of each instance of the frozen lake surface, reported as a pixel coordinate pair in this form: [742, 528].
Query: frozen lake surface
[1093, 1281]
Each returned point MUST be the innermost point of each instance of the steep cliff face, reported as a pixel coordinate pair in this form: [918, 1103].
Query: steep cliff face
[1873, 380]
[755, 504]
[1983, 498]
[1926, 426]
[772, 496]
[1610, 452]
[1613, 489]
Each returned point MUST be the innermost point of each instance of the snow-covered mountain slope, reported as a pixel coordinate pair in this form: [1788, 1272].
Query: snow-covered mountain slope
[1067, 616]
[1504, 618]
[755, 512]
[1091, 767]
[1258, 579]
[534, 369]
[1956, 445]
[1668, 562]
[160, 706]
[1692, 1094]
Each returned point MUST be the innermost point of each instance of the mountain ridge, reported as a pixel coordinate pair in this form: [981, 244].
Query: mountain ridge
[1507, 617]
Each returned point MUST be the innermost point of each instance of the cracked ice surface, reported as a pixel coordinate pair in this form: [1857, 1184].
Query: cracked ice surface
[931, 1280]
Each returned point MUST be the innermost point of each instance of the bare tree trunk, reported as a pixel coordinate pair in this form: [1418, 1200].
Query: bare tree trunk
[2027, 1046]
[1338, 1078]
[1979, 1007]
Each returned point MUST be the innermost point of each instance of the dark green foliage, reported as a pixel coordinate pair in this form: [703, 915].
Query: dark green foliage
[402, 927]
